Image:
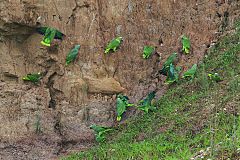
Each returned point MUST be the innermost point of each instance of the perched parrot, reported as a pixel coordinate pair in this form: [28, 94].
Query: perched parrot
[113, 45]
[173, 74]
[215, 77]
[33, 77]
[146, 104]
[191, 72]
[49, 34]
[167, 63]
[186, 44]
[122, 104]
[148, 51]
[100, 132]
[72, 55]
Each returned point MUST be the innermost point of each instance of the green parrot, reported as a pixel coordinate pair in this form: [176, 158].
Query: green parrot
[72, 55]
[186, 44]
[49, 34]
[215, 77]
[173, 74]
[167, 64]
[100, 132]
[113, 45]
[33, 77]
[148, 51]
[146, 104]
[122, 104]
[191, 72]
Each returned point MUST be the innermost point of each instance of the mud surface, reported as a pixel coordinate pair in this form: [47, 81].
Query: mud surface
[52, 118]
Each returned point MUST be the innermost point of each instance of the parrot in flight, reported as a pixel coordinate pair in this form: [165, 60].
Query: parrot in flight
[100, 132]
[146, 104]
[72, 55]
[148, 51]
[186, 44]
[122, 104]
[191, 72]
[167, 63]
[49, 34]
[33, 77]
[113, 45]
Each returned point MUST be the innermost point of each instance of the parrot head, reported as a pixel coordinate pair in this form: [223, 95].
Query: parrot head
[77, 46]
[119, 39]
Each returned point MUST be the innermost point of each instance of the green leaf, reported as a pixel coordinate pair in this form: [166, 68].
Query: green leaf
[33, 77]
[146, 104]
[100, 132]
[191, 72]
[148, 51]
[113, 45]
[166, 66]
[72, 55]
[122, 104]
[186, 44]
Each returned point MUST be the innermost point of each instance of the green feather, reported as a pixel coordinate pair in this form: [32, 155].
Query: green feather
[33, 77]
[146, 104]
[191, 72]
[167, 64]
[148, 51]
[186, 44]
[72, 55]
[113, 45]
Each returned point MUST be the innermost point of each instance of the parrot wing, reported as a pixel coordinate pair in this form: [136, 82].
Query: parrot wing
[186, 44]
[121, 108]
[148, 51]
[41, 30]
[167, 64]
[72, 55]
[59, 35]
[172, 75]
[191, 72]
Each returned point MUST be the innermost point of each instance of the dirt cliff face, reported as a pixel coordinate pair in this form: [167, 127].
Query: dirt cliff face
[69, 99]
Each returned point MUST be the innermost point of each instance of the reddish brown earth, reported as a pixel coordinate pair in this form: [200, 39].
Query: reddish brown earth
[70, 99]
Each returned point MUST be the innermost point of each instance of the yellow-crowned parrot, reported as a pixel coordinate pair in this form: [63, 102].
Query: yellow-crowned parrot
[113, 45]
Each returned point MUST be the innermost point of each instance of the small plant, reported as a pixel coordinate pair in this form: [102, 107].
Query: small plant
[122, 104]
[186, 44]
[146, 104]
[100, 132]
[113, 45]
[191, 72]
[148, 51]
